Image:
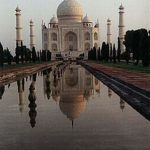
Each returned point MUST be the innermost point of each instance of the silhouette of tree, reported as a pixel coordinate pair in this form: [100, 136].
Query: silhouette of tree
[111, 53]
[1, 55]
[7, 57]
[2, 90]
[48, 55]
[114, 54]
[145, 48]
[119, 50]
[22, 50]
[34, 57]
[105, 51]
[32, 105]
[17, 53]
[99, 53]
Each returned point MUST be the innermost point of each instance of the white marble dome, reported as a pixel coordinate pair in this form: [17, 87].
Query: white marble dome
[54, 20]
[70, 10]
[86, 19]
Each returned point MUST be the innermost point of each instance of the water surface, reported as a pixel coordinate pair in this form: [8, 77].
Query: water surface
[73, 111]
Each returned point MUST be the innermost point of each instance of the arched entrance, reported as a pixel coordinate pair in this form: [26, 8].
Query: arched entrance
[71, 41]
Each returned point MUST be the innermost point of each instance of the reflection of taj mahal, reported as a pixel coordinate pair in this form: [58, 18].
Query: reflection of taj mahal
[70, 34]
[72, 90]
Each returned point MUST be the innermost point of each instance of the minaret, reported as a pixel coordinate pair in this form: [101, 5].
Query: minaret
[109, 31]
[32, 37]
[121, 27]
[18, 27]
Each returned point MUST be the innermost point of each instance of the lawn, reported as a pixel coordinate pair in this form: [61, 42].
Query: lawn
[6, 66]
[129, 67]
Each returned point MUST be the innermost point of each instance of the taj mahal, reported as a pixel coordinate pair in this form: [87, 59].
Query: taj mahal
[70, 33]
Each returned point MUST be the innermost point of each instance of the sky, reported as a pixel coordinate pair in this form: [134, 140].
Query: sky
[137, 15]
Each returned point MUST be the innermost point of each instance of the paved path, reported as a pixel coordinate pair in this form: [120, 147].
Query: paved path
[140, 80]
[10, 75]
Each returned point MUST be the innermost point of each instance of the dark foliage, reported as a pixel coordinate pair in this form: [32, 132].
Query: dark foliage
[1, 55]
[114, 54]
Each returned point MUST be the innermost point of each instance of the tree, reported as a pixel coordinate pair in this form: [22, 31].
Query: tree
[1, 55]
[44, 55]
[17, 53]
[7, 56]
[129, 45]
[27, 55]
[34, 57]
[114, 54]
[94, 53]
[111, 53]
[105, 51]
[99, 53]
[38, 56]
[22, 50]
[119, 50]
[145, 47]
[48, 55]
[136, 46]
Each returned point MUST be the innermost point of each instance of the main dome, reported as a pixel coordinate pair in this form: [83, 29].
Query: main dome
[70, 10]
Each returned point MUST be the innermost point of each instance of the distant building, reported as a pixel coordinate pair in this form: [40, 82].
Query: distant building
[70, 34]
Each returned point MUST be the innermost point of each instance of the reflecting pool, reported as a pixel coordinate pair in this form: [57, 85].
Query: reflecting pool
[68, 109]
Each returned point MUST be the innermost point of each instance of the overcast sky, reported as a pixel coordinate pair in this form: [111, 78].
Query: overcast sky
[137, 15]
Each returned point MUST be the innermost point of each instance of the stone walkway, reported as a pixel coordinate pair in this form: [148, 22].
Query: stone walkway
[139, 80]
[10, 75]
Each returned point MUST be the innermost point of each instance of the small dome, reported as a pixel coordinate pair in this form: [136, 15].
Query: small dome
[17, 9]
[54, 20]
[108, 20]
[31, 22]
[70, 10]
[86, 19]
[121, 7]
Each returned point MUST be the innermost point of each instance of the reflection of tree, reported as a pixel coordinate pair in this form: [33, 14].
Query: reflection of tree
[20, 84]
[87, 94]
[47, 83]
[34, 77]
[2, 90]
[122, 104]
[48, 88]
[109, 92]
[56, 90]
[32, 105]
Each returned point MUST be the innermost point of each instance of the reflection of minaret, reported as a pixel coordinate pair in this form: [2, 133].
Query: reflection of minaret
[18, 27]
[121, 27]
[32, 36]
[32, 105]
[122, 104]
[2, 90]
[109, 92]
[47, 83]
[20, 84]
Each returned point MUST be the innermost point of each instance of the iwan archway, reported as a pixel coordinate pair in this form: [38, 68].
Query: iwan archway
[71, 43]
